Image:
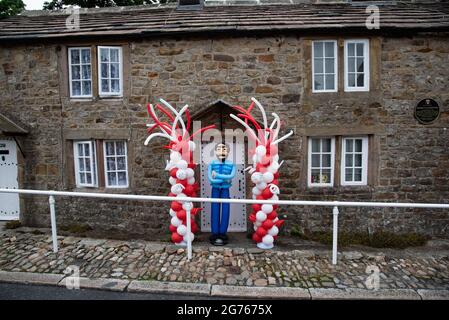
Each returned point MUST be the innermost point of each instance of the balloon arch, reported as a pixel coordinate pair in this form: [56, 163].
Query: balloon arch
[264, 170]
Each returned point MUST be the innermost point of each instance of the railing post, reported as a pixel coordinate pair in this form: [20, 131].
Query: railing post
[334, 235]
[189, 230]
[51, 200]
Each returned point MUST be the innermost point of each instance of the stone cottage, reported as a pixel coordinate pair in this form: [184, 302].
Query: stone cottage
[366, 92]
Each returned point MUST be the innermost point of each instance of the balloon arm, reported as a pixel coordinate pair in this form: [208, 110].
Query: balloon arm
[248, 168]
[179, 118]
[251, 132]
[280, 164]
[165, 112]
[151, 136]
[188, 120]
[284, 137]
[276, 121]
[201, 130]
[161, 125]
[226, 176]
[264, 115]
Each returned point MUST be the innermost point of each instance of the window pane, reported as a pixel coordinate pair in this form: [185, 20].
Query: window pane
[75, 56]
[112, 178]
[330, 81]
[104, 85]
[76, 88]
[81, 164]
[319, 82]
[351, 79]
[326, 143]
[351, 49]
[360, 49]
[329, 49]
[315, 176]
[358, 160]
[121, 163]
[110, 149]
[86, 149]
[104, 70]
[348, 174]
[115, 86]
[114, 55]
[110, 165]
[349, 145]
[76, 72]
[318, 49]
[87, 164]
[88, 178]
[358, 145]
[351, 64]
[357, 174]
[85, 56]
[86, 71]
[318, 65]
[115, 70]
[315, 145]
[326, 160]
[348, 160]
[82, 178]
[80, 150]
[326, 176]
[87, 88]
[360, 65]
[104, 55]
[316, 160]
[122, 179]
[120, 148]
[360, 80]
[330, 62]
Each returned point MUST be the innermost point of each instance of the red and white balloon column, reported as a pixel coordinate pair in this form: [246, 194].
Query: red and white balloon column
[264, 172]
[180, 166]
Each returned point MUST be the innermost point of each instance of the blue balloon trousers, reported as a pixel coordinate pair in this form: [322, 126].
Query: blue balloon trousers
[220, 211]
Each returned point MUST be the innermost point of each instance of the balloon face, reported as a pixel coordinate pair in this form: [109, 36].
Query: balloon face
[267, 208]
[181, 174]
[256, 177]
[261, 216]
[177, 188]
[268, 240]
[172, 180]
[268, 177]
[175, 221]
[261, 186]
[181, 164]
[191, 180]
[189, 172]
[256, 191]
[273, 231]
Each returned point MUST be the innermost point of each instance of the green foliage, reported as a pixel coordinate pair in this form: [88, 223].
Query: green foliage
[380, 239]
[13, 224]
[59, 4]
[11, 7]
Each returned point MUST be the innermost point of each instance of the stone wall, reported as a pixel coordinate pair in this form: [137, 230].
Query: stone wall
[411, 160]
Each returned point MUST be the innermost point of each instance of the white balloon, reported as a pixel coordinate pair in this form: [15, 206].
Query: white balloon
[274, 197]
[181, 195]
[273, 167]
[256, 191]
[254, 196]
[177, 188]
[261, 151]
[192, 146]
[181, 174]
[256, 177]
[191, 180]
[261, 186]
[276, 158]
[257, 224]
[172, 212]
[192, 236]
[172, 181]
[268, 239]
[261, 216]
[255, 227]
[187, 206]
[267, 208]
[254, 158]
[190, 173]
[267, 177]
[273, 231]
[181, 164]
[274, 189]
[175, 156]
[175, 221]
[182, 229]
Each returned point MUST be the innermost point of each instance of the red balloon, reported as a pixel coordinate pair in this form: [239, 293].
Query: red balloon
[176, 237]
[171, 195]
[275, 206]
[176, 206]
[195, 211]
[172, 228]
[275, 238]
[194, 228]
[279, 223]
[267, 224]
[266, 193]
[256, 237]
[276, 175]
[265, 160]
[181, 214]
[252, 218]
[189, 190]
[191, 165]
[257, 207]
[260, 197]
[261, 168]
[273, 149]
[173, 172]
[261, 232]
[183, 182]
[272, 215]
[276, 182]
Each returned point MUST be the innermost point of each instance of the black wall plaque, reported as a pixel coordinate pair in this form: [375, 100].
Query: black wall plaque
[427, 111]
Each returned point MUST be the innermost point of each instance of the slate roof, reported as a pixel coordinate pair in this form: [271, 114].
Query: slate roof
[299, 18]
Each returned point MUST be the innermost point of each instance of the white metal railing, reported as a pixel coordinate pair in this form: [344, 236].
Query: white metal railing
[333, 204]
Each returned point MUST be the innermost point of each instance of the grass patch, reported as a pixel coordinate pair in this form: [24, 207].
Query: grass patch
[13, 224]
[77, 228]
[381, 239]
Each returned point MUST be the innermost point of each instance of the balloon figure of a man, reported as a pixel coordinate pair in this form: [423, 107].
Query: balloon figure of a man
[220, 173]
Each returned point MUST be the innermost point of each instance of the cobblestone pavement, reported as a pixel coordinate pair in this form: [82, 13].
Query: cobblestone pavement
[421, 268]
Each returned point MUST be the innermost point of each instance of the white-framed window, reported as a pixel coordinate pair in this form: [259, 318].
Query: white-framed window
[110, 73]
[356, 65]
[115, 163]
[80, 72]
[321, 159]
[354, 161]
[324, 66]
[85, 163]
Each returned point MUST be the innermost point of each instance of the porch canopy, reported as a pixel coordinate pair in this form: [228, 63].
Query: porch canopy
[10, 128]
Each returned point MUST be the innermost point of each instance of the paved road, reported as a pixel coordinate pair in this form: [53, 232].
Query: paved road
[12, 291]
